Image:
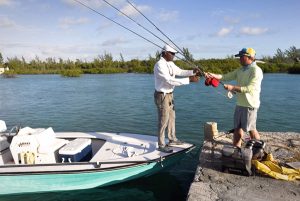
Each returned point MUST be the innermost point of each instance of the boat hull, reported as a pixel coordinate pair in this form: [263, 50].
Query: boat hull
[53, 181]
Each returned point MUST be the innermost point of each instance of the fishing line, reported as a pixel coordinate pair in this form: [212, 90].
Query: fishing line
[116, 23]
[219, 93]
[134, 21]
[229, 93]
[180, 50]
[186, 60]
[83, 4]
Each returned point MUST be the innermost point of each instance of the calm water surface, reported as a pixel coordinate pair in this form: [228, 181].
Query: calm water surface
[124, 103]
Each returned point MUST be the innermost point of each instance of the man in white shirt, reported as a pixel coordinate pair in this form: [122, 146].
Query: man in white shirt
[165, 81]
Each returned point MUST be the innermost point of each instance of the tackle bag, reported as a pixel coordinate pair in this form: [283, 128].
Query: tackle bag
[258, 149]
[237, 160]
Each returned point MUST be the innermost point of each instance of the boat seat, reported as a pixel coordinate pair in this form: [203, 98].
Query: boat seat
[49, 154]
[40, 145]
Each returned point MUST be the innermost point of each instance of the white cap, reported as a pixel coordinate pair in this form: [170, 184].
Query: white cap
[168, 48]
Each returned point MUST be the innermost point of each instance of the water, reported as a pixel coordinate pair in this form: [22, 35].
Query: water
[124, 103]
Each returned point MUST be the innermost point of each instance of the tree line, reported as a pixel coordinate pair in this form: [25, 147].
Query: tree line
[287, 61]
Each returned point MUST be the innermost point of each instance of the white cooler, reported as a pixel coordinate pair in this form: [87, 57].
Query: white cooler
[75, 150]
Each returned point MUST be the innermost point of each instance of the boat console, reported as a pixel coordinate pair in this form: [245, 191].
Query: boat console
[35, 146]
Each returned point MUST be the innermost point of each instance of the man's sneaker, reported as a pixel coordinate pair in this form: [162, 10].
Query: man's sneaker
[177, 142]
[165, 149]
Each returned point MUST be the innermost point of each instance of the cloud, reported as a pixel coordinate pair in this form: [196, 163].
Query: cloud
[13, 45]
[6, 22]
[218, 12]
[6, 2]
[231, 20]
[104, 25]
[130, 11]
[224, 32]
[192, 36]
[67, 22]
[167, 16]
[113, 42]
[90, 3]
[30, 51]
[253, 30]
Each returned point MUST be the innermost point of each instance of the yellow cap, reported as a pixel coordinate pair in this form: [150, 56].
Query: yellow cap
[250, 52]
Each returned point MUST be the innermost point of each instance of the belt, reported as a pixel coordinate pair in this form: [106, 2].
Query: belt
[159, 92]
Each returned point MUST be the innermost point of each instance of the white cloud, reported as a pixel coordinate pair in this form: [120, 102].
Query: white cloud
[192, 36]
[253, 30]
[130, 11]
[224, 32]
[6, 2]
[90, 3]
[114, 42]
[6, 22]
[43, 51]
[168, 15]
[104, 25]
[67, 22]
[218, 12]
[231, 20]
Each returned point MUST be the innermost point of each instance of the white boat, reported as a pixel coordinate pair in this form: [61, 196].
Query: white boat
[41, 160]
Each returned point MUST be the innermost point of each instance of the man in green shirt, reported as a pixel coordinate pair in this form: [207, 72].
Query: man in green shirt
[248, 78]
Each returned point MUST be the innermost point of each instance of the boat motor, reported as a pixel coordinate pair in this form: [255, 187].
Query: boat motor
[2, 126]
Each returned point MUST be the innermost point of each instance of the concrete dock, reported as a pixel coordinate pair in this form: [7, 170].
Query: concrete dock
[212, 184]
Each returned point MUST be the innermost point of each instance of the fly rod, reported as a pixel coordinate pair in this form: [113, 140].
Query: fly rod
[97, 12]
[116, 23]
[180, 50]
[186, 60]
[130, 18]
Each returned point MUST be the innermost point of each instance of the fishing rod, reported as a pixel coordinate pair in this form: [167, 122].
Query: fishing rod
[212, 81]
[88, 7]
[85, 5]
[180, 50]
[128, 29]
[134, 21]
[209, 81]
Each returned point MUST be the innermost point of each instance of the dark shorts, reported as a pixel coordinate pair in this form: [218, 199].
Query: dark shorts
[245, 118]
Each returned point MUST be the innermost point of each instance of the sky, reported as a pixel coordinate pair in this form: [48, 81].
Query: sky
[209, 29]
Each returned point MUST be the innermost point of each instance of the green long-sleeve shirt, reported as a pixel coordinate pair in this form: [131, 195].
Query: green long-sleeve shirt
[249, 79]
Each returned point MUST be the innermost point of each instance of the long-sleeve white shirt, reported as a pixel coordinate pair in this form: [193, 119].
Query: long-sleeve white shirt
[165, 76]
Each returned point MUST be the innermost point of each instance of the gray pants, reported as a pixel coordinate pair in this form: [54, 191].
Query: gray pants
[166, 116]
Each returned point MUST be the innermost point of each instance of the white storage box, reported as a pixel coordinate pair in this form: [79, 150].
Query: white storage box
[75, 150]
[39, 145]
[23, 144]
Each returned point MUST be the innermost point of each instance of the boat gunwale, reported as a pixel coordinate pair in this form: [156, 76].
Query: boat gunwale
[97, 165]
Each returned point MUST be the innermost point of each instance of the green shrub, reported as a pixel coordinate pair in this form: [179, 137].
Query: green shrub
[71, 73]
[295, 69]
